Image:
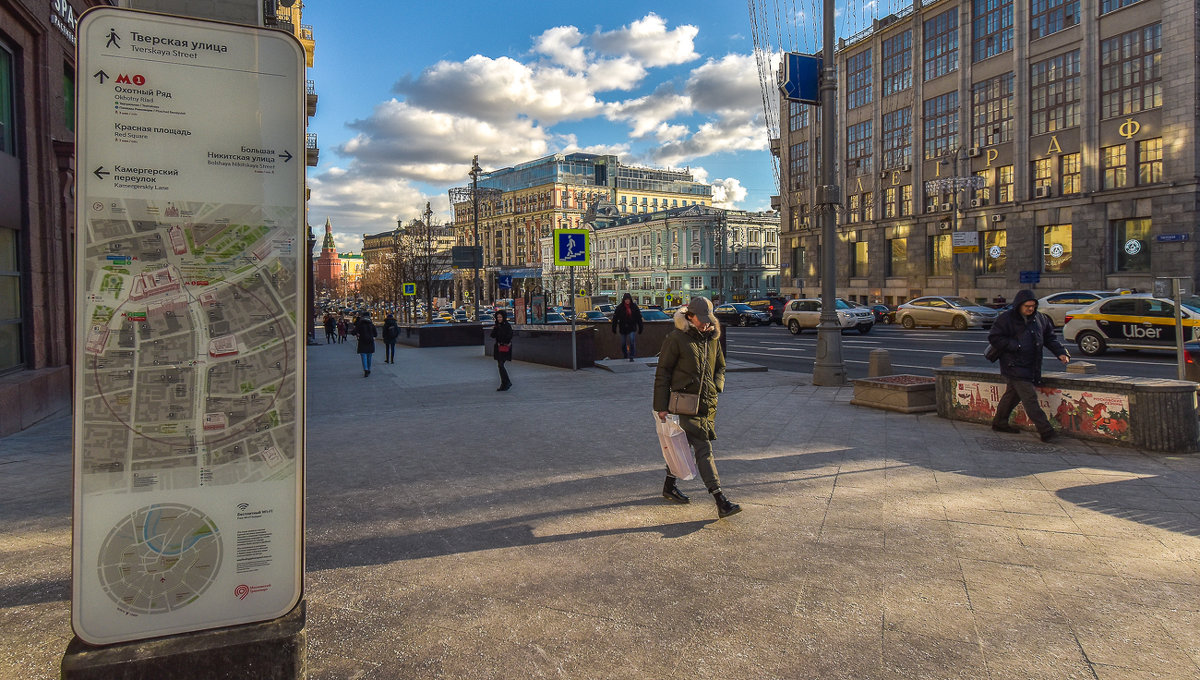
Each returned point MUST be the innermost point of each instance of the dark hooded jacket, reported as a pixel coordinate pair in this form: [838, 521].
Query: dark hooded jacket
[365, 330]
[391, 329]
[627, 320]
[1021, 340]
[683, 352]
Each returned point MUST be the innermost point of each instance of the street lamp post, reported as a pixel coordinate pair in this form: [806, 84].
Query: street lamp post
[953, 185]
[828, 369]
[475, 170]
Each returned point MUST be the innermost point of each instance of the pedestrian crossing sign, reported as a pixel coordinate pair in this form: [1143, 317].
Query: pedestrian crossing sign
[410, 289]
[572, 247]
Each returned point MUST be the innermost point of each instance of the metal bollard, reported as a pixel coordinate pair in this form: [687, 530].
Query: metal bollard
[880, 363]
[1081, 367]
[954, 360]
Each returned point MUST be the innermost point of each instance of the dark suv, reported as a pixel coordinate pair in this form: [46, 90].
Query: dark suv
[773, 306]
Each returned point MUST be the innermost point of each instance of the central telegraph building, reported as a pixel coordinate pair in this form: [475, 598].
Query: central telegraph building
[1045, 139]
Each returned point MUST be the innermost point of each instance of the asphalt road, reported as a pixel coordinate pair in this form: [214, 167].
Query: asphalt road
[919, 351]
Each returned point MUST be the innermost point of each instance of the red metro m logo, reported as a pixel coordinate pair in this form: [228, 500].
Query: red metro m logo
[138, 80]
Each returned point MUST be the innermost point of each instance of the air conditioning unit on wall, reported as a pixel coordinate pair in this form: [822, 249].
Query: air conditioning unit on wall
[997, 218]
[978, 202]
[947, 207]
[1041, 192]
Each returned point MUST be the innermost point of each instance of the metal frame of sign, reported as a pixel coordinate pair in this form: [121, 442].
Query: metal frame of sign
[188, 430]
[587, 248]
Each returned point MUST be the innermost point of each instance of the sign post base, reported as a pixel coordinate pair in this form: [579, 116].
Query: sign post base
[275, 650]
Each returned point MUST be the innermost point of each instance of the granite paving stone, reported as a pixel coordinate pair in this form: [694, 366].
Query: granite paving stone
[455, 532]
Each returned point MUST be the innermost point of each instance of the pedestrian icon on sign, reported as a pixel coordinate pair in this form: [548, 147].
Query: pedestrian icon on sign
[571, 247]
[113, 38]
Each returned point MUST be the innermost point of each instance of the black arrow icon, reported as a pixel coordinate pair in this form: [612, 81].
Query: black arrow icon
[101, 75]
[100, 173]
[286, 156]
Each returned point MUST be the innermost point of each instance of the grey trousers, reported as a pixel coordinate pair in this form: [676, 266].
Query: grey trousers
[1024, 392]
[703, 451]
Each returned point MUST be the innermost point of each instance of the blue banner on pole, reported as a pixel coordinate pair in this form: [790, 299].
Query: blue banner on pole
[504, 282]
[800, 78]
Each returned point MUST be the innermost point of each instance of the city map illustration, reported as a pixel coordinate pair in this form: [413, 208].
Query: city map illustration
[189, 377]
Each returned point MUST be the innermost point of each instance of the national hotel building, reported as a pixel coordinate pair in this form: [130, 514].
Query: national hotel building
[1079, 118]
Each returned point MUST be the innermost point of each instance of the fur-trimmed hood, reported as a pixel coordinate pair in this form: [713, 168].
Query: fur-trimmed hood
[681, 322]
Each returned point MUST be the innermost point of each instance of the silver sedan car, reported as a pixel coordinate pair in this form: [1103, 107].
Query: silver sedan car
[937, 310]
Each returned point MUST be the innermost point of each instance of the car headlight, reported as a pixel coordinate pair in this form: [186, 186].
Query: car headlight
[974, 314]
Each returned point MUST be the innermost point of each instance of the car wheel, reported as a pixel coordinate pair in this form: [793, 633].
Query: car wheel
[865, 328]
[960, 324]
[793, 327]
[741, 321]
[1091, 344]
[908, 322]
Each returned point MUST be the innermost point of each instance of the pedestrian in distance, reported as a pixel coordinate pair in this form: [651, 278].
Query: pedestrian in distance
[1019, 336]
[343, 328]
[391, 331]
[365, 330]
[330, 329]
[691, 361]
[627, 319]
[502, 349]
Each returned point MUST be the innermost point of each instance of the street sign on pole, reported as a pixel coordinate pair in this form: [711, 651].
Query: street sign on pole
[410, 289]
[504, 281]
[800, 77]
[572, 247]
[188, 434]
[965, 242]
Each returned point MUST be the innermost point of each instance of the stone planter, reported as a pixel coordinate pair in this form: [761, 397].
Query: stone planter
[903, 393]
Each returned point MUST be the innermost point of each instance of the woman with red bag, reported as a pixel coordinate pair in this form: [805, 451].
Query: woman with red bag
[503, 333]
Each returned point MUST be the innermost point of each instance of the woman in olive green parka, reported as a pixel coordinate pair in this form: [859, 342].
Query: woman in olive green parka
[691, 361]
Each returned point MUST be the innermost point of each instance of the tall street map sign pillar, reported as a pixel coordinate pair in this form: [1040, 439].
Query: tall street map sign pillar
[189, 348]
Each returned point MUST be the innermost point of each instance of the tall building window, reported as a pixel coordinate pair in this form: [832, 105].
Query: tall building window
[897, 63]
[941, 125]
[1149, 161]
[1069, 174]
[906, 200]
[1052, 16]
[853, 208]
[897, 138]
[1054, 93]
[941, 44]
[1112, 163]
[1056, 249]
[868, 206]
[7, 109]
[1131, 245]
[1041, 177]
[891, 197]
[995, 251]
[797, 116]
[1130, 75]
[941, 255]
[984, 193]
[696, 282]
[11, 354]
[991, 28]
[1004, 184]
[1107, 6]
[858, 148]
[991, 111]
[858, 259]
[798, 165]
[897, 257]
[858, 79]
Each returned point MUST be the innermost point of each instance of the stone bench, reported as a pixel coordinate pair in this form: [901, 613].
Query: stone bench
[1147, 413]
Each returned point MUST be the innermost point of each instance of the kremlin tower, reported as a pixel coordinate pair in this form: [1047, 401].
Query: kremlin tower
[328, 267]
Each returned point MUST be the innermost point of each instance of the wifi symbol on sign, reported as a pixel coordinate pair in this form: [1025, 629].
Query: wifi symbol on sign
[243, 506]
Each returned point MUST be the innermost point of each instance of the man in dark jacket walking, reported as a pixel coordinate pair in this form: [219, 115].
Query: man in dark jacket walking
[1020, 335]
[628, 320]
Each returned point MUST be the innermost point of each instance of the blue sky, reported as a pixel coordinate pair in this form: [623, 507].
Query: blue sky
[409, 91]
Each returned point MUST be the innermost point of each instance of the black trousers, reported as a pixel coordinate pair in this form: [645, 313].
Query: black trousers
[503, 373]
[389, 351]
[1024, 392]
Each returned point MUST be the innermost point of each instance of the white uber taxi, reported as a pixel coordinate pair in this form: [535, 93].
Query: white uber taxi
[1131, 322]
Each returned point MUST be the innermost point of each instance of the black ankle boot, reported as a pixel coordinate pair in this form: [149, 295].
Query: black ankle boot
[724, 507]
[672, 492]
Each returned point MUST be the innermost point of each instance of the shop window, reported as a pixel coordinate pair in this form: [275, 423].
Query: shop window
[995, 251]
[1131, 245]
[858, 254]
[897, 257]
[11, 350]
[1056, 249]
[941, 255]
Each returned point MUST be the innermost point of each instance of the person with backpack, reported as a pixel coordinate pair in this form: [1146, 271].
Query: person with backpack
[391, 331]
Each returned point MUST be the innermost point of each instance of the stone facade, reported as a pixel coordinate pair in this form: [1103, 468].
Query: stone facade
[1059, 168]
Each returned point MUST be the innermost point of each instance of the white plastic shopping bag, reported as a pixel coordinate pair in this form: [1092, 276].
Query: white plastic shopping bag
[675, 448]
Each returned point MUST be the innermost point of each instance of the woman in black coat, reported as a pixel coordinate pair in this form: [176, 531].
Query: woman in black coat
[391, 331]
[503, 333]
[365, 330]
